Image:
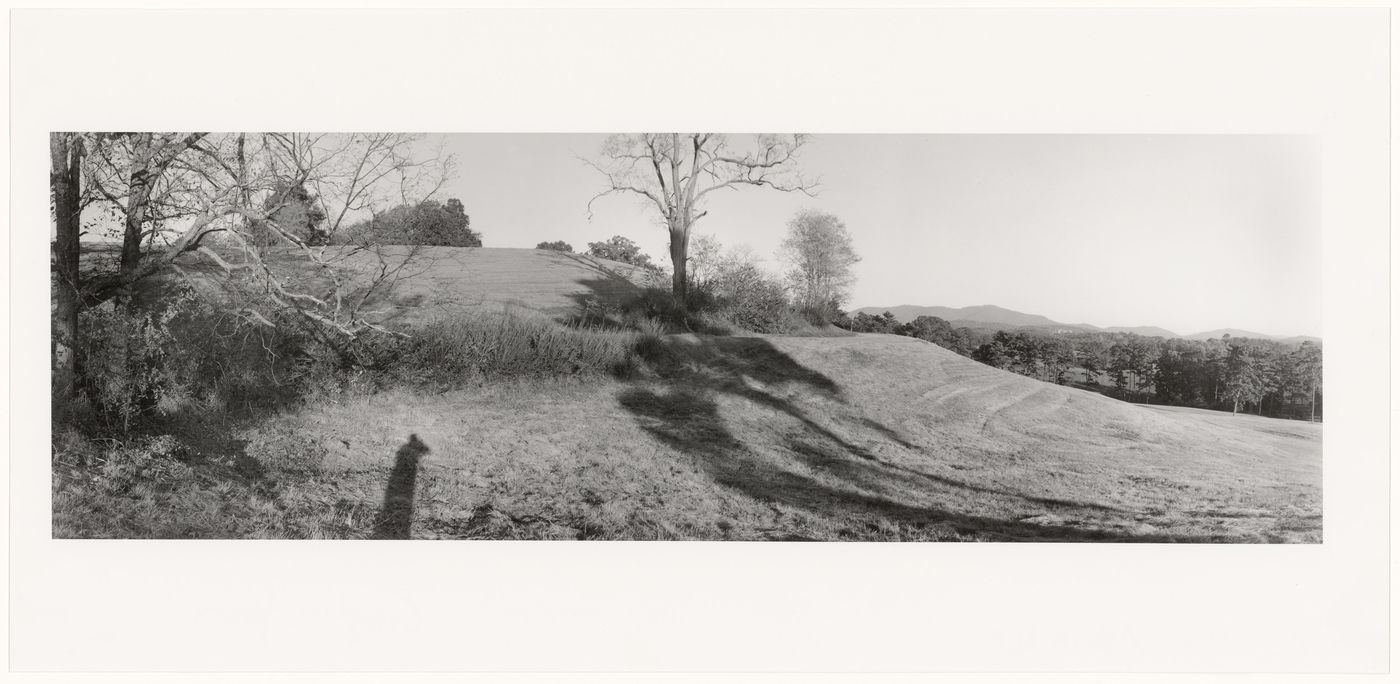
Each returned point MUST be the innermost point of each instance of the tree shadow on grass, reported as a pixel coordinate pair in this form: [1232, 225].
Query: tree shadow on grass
[680, 406]
[601, 302]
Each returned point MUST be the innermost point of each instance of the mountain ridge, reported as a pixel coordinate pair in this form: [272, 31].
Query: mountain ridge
[1000, 318]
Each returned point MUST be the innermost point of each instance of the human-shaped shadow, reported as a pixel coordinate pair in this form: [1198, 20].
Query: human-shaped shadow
[396, 517]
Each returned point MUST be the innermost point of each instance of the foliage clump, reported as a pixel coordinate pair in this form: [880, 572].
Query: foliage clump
[180, 355]
[427, 223]
[621, 249]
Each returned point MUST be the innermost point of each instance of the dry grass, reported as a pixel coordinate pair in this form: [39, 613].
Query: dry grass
[867, 437]
[872, 437]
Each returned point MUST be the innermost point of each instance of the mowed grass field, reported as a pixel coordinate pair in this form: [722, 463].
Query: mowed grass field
[871, 437]
[868, 437]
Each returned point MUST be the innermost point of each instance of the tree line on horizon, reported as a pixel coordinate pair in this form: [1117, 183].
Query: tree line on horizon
[1265, 377]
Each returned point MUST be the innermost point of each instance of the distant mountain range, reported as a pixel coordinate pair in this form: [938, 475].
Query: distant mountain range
[997, 318]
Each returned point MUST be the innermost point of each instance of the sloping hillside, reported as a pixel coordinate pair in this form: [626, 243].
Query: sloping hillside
[441, 281]
[542, 281]
[867, 437]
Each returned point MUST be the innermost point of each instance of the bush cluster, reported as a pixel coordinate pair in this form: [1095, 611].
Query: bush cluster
[619, 248]
[556, 246]
[142, 365]
[429, 223]
[182, 355]
[748, 298]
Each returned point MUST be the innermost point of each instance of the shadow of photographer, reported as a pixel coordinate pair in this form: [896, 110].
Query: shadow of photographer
[396, 516]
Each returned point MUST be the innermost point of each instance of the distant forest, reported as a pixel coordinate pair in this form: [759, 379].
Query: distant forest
[1263, 377]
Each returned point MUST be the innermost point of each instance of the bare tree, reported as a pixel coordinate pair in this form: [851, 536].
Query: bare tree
[134, 172]
[356, 173]
[676, 171]
[206, 195]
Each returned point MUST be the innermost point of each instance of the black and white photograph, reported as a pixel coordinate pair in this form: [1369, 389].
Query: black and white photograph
[687, 336]
[656, 341]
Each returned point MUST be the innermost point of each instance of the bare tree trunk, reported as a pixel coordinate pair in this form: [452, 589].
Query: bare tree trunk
[679, 281]
[1312, 414]
[139, 193]
[680, 225]
[65, 156]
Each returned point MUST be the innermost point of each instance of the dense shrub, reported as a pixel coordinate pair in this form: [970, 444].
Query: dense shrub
[142, 366]
[737, 290]
[294, 210]
[181, 355]
[751, 299]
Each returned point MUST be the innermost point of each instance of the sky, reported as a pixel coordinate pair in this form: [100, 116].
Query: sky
[1189, 233]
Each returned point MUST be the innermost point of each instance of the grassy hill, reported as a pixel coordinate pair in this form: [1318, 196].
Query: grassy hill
[869, 437]
[444, 281]
[540, 281]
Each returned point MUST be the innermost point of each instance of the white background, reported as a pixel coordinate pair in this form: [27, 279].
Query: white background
[500, 606]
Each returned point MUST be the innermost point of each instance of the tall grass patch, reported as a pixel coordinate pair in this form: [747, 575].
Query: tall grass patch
[484, 346]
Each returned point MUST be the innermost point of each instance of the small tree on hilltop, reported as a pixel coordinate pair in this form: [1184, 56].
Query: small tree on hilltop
[556, 246]
[618, 248]
[820, 252]
[426, 223]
